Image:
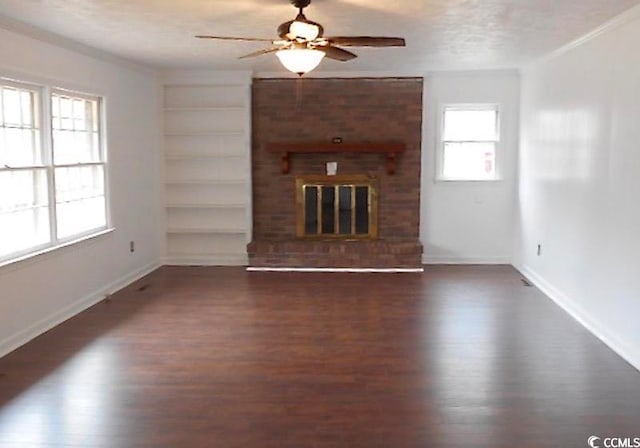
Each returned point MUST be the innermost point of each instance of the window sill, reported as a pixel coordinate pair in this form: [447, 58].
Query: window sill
[37, 255]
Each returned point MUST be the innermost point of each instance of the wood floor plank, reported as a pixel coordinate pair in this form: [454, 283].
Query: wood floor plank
[461, 356]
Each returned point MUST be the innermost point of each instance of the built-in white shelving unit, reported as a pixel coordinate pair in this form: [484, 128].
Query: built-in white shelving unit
[207, 128]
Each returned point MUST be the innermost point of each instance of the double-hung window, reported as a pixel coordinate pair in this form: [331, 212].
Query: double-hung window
[469, 142]
[52, 168]
[79, 164]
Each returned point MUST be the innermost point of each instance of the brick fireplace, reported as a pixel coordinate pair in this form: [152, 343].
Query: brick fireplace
[363, 114]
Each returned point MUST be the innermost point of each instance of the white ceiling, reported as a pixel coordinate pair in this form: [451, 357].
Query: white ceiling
[440, 34]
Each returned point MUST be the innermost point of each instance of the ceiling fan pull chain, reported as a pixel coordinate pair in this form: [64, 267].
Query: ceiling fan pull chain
[299, 94]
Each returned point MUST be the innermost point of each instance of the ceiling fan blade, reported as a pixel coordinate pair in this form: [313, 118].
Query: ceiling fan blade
[366, 41]
[336, 53]
[247, 39]
[260, 52]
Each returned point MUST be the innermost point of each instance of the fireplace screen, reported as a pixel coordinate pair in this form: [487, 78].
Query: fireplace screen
[337, 206]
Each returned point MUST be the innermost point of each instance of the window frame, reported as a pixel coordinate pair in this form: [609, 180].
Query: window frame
[44, 118]
[440, 141]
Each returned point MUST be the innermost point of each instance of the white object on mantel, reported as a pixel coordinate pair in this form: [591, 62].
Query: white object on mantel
[332, 168]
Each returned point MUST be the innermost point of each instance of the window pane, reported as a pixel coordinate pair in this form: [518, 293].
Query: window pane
[328, 210]
[362, 210]
[27, 108]
[345, 207]
[65, 107]
[469, 161]
[311, 210]
[75, 124]
[470, 125]
[20, 147]
[75, 147]
[19, 137]
[24, 213]
[80, 200]
[12, 112]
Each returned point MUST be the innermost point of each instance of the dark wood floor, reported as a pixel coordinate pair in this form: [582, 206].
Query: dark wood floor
[217, 357]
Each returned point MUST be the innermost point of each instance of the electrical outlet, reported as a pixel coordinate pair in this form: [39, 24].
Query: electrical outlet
[539, 250]
[132, 246]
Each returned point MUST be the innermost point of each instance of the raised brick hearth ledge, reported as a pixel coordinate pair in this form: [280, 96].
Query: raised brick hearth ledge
[301, 253]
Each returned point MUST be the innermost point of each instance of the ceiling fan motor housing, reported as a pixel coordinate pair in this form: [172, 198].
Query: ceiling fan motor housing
[285, 28]
[300, 4]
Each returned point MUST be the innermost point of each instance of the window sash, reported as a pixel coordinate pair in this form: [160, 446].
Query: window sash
[90, 132]
[79, 183]
[469, 161]
[28, 124]
[473, 108]
[25, 221]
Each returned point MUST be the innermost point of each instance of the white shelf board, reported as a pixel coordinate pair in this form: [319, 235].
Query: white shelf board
[186, 156]
[203, 134]
[207, 206]
[203, 108]
[207, 182]
[183, 231]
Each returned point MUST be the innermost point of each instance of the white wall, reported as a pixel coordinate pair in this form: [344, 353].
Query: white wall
[469, 222]
[39, 293]
[579, 193]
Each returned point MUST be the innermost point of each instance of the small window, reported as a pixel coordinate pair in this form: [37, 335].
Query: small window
[468, 148]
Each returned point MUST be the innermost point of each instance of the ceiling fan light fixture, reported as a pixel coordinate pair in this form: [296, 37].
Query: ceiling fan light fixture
[300, 60]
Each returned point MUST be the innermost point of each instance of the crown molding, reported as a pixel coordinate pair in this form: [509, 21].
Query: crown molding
[620, 20]
[341, 74]
[509, 72]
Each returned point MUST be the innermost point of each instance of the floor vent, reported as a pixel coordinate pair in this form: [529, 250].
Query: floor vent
[526, 282]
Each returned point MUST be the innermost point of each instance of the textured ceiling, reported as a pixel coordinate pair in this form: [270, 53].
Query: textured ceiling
[440, 34]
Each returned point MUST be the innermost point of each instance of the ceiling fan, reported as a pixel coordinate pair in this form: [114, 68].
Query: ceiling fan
[302, 45]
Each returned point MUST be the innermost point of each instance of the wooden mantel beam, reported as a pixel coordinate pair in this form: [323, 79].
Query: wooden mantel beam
[391, 149]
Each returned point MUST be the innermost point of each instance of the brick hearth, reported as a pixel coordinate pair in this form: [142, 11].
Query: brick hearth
[355, 110]
[336, 254]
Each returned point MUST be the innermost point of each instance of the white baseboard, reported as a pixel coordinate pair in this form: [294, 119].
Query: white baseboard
[214, 260]
[22, 337]
[426, 259]
[626, 351]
